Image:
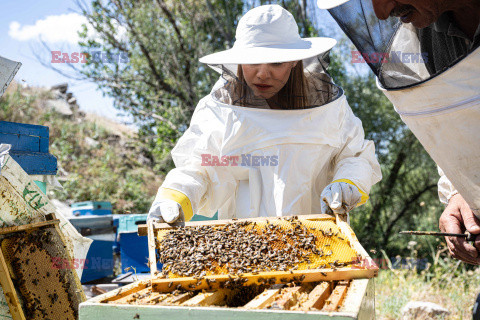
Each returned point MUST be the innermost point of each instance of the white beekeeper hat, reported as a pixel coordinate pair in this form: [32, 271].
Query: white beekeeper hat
[269, 34]
[329, 4]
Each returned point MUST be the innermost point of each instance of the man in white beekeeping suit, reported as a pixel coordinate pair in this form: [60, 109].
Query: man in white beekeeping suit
[427, 61]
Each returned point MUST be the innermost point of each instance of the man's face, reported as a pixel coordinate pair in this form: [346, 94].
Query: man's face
[421, 13]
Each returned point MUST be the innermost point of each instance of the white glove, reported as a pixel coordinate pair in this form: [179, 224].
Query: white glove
[4, 148]
[166, 210]
[339, 197]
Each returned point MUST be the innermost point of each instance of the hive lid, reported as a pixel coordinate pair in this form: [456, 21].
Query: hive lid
[8, 69]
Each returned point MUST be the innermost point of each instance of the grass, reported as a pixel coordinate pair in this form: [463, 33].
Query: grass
[448, 282]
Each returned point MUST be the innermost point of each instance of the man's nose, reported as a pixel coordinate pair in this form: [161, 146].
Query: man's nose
[383, 8]
[263, 72]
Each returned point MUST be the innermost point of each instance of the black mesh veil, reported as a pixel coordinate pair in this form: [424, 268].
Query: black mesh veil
[318, 88]
[399, 54]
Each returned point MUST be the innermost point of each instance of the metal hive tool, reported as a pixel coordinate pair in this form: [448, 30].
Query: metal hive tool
[47, 291]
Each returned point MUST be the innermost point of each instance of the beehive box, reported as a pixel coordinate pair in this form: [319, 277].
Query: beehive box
[353, 299]
[312, 290]
[29, 147]
[21, 203]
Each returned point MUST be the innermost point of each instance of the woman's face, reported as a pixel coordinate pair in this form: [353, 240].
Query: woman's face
[266, 80]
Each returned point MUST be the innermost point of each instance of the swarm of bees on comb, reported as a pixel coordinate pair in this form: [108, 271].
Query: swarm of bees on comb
[243, 247]
[45, 290]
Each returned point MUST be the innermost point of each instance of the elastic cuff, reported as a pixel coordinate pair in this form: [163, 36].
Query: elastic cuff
[364, 195]
[180, 198]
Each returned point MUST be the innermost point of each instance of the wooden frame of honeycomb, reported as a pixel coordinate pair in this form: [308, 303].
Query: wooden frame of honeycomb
[33, 286]
[363, 267]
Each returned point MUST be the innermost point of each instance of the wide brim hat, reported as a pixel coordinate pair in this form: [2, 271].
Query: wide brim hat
[269, 34]
[329, 4]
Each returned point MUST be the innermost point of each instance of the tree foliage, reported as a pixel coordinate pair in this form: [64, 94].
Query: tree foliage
[162, 82]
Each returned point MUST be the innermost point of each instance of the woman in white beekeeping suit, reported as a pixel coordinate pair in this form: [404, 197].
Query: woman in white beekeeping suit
[275, 137]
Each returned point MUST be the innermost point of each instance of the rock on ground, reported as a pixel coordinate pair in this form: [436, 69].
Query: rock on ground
[419, 310]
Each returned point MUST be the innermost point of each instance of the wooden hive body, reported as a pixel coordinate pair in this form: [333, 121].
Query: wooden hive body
[353, 299]
[337, 293]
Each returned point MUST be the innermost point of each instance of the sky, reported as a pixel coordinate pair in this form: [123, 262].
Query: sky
[22, 25]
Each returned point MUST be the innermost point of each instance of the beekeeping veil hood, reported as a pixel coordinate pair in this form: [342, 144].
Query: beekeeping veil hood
[432, 77]
[269, 34]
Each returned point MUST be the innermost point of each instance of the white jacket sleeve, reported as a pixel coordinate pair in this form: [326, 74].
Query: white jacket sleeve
[199, 187]
[446, 190]
[356, 162]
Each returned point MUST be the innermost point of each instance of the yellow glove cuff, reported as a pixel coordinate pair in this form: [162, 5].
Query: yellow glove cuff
[364, 195]
[180, 198]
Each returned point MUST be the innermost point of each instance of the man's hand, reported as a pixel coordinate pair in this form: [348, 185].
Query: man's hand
[457, 218]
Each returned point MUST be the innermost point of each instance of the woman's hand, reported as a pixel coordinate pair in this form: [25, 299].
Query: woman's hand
[166, 210]
[339, 197]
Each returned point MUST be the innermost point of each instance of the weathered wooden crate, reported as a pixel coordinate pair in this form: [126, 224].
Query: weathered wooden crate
[22, 203]
[354, 299]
